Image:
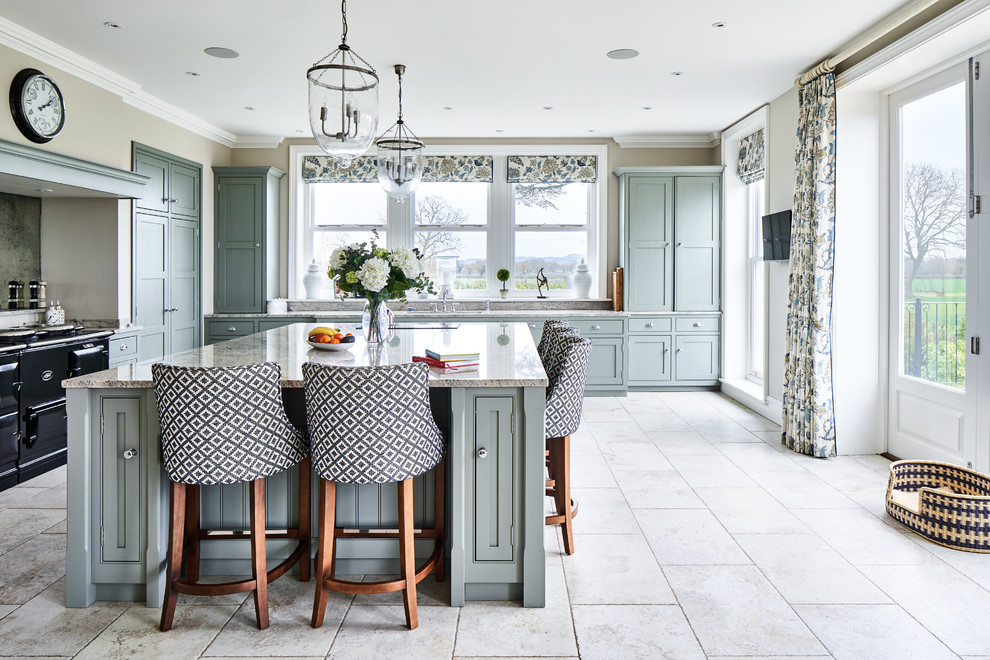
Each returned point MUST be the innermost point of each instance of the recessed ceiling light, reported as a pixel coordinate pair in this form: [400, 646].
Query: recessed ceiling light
[192, 73]
[44, 190]
[548, 107]
[222, 53]
[299, 130]
[591, 130]
[447, 107]
[111, 25]
[622, 54]
[247, 107]
[677, 74]
[718, 25]
[499, 130]
[647, 107]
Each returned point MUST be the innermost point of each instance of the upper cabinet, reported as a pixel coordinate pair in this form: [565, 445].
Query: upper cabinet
[173, 187]
[670, 223]
[247, 211]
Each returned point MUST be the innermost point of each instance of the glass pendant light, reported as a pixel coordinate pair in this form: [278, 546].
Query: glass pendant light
[343, 101]
[400, 155]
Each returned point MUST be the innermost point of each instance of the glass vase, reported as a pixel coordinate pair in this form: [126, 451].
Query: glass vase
[376, 319]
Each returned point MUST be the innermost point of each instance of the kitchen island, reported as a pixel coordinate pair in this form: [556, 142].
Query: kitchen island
[492, 419]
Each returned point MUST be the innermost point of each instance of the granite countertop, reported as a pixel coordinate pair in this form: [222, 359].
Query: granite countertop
[508, 356]
[420, 312]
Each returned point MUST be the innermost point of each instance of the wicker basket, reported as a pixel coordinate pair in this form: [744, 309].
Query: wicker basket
[957, 515]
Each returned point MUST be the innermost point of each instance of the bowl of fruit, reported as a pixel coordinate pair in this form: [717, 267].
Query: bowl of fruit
[329, 339]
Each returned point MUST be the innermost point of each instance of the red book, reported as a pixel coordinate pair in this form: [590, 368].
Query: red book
[448, 365]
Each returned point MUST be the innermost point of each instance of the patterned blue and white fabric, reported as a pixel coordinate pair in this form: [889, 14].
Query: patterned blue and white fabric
[549, 337]
[752, 158]
[565, 393]
[808, 413]
[224, 425]
[554, 360]
[552, 169]
[370, 425]
[364, 169]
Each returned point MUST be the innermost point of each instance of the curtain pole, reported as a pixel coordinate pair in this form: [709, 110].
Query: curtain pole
[886, 28]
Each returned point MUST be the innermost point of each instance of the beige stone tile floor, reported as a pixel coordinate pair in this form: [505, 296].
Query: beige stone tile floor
[699, 536]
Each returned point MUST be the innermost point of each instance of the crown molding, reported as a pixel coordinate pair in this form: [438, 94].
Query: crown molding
[669, 141]
[44, 50]
[257, 141]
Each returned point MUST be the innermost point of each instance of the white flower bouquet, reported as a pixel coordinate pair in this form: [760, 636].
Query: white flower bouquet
[372, 272]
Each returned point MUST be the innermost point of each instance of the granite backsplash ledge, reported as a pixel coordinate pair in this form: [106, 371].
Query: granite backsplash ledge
[463, 305]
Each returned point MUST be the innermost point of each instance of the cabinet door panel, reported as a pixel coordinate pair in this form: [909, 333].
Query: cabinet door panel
[184, 190]
[646, 285]
[120, 481]
[240, 241]
[150, 282]
[696, 231]
[237, 290]
[649, 219]
[605, 365]
[649, 359]
[493, 483]
[155, 197]
[697, 358]
[184, 297]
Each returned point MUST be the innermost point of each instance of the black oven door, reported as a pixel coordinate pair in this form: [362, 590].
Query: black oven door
[44, 432]
[87, 358]
[8, 449]
[8, 384]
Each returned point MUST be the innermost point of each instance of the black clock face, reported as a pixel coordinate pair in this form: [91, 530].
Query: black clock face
[37, 106]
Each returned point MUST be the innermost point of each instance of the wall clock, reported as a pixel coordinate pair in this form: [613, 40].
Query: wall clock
[37, 106]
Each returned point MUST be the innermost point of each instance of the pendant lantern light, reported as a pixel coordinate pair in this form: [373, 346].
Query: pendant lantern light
[400, 155]
[343, 101]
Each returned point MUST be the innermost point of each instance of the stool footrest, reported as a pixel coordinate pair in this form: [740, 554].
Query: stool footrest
[385, 586]
[224, 588]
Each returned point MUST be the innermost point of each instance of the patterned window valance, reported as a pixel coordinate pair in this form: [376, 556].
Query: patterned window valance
[752, 158]
[364, 169]
[553, 169]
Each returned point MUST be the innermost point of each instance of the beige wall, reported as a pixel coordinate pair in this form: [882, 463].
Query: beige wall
[617, 157]
[100, 127]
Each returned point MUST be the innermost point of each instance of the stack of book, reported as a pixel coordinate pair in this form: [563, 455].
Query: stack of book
[450, 363]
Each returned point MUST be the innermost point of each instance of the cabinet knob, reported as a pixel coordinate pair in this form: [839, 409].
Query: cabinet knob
[165, 199]
[697, 324]
[123, 347]
[650, 324]
[678, 350]
[596, 327]
[257, 245]
[532, 325]
[680, 244]
[173, 200]
[231, 329]
[482, 453]
[129, 454]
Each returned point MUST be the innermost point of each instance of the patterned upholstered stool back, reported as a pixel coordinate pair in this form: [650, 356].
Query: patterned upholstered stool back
[553, 362]
[551, 328]
[370, 424]
[224, 425]
[565, 393]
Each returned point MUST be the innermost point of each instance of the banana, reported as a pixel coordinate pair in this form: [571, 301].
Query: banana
[323, 330]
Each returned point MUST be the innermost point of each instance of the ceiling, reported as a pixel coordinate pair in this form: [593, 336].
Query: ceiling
[496, 65]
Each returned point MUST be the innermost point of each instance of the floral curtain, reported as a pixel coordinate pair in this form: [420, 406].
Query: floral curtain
[553, 169]
[752, 156]
[809, 414]
[364, 169]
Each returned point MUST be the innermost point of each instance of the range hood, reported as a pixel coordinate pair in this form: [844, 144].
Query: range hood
[34, 172]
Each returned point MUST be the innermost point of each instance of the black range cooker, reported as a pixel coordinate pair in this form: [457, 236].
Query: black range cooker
[34, 360]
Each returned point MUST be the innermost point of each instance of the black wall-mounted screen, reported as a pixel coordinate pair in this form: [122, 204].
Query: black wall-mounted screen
[777, 236]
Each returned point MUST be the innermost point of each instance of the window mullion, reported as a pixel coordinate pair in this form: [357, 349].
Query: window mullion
[500, 239]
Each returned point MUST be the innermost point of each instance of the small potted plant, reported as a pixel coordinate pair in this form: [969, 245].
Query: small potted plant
[502, 275]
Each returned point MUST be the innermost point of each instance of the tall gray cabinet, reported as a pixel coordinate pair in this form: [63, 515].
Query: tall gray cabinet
[167, 257]
[247, 206]
[670, 228]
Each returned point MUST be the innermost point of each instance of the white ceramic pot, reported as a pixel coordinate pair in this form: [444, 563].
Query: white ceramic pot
[581, 280]
[315, 282]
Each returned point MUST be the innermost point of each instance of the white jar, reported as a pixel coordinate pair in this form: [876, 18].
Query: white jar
[315, 282]
[581, 280]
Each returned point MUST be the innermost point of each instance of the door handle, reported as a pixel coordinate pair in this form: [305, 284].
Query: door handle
[129, 454]
[482, 453]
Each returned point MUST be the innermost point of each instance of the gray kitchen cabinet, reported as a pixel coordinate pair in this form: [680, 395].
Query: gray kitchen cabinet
[649, 359]
[681, 350]
[230, 327]
[648, 204]
[247, 212]
[697, 204]
[493, 493]
[123, 349]
[119, 492]
[696, 358]
[167, 255]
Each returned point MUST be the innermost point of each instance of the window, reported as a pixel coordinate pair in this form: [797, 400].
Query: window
[757, 284]
[496, 210]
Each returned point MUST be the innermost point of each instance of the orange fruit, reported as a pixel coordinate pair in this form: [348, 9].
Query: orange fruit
[333, 340]
[338, 337]
[348, 335]
[324, 339]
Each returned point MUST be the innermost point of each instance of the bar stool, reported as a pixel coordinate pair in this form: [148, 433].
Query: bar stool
[567, 372]
[226, 425]
[373, 425]
[551, 329]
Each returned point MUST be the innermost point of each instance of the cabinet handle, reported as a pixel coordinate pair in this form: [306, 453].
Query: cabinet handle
[173, 200]
[532, 325]
[165, 199]
[596, 327]
[680, 244]
[678, 350]
[650, 324]
[697, 324]
[123, 347]
[482, 453]
[257, 245]
[231, 329]
[129, 454]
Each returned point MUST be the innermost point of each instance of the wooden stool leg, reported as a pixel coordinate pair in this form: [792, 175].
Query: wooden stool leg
[439, 510]
[407, 552]
[324, 547]
[304, 518]
[192, 532]
[259, 568]
[564, 492]
[177, 512]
